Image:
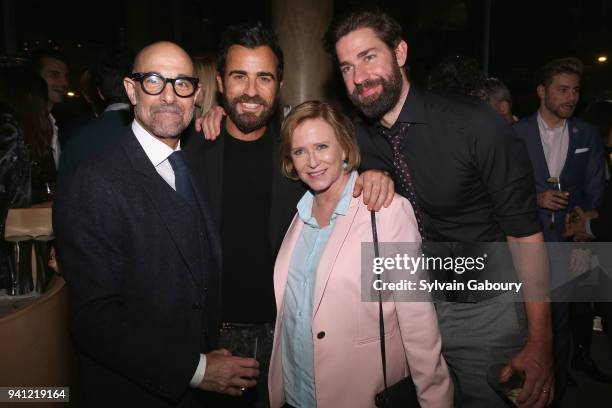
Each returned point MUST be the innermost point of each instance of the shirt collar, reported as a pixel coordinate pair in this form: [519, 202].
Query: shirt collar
[543, 125]
[304, 206]
[156, 150]
[413, 110]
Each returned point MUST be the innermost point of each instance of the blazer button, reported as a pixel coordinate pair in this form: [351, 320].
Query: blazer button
[320, 335]
[196, 306]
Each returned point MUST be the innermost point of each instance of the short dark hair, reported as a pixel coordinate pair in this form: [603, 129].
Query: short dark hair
[386, 27]
[249, 35]
[569, 65]
[107, 75]
[37, 56]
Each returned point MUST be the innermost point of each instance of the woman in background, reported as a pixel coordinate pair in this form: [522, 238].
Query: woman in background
[206, 70]
[326, 349]
[25, 92]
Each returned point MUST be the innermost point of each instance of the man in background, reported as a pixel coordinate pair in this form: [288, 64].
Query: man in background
[99, 132]
[52, 67]
[568, 163]
[500, 98]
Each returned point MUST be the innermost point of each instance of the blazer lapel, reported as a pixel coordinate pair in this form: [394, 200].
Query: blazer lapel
[275, 199]
[332, 250]
[213, 163]
[170, 208]
[539, 163]
[212, 229]
[573, 135]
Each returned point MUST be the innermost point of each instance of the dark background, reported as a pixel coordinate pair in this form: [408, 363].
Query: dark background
[523, 33]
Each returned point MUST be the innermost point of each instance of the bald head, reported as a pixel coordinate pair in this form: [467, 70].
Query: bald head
[157, 52]
[164, 115]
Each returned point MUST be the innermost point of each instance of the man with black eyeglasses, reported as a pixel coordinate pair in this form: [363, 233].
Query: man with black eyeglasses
[141, 256]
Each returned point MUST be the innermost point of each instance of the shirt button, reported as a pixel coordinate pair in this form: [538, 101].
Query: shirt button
[320, 335]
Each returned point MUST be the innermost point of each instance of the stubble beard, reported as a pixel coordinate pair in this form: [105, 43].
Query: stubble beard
[560, 113]
[164, 129]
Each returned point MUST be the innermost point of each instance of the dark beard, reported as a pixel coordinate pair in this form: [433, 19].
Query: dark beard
[248, 122]
[375, 107]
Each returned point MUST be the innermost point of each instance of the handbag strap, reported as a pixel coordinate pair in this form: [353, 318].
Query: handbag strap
[381, 321]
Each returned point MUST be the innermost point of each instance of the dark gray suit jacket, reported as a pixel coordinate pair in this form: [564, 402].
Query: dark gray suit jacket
[142, 270]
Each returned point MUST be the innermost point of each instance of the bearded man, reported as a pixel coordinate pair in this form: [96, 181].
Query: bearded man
[250, 199]
[469, 180]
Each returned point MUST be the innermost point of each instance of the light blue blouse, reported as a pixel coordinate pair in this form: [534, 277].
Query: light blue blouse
[296, 329]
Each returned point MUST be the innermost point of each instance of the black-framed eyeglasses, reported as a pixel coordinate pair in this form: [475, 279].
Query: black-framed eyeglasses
[154, 83]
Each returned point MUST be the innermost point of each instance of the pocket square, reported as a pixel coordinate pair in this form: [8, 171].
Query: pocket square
[582, 150]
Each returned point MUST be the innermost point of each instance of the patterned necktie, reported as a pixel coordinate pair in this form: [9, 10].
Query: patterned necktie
[181, 176]
[405, 187]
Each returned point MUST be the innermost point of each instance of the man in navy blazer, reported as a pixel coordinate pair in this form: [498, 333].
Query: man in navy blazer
[565, 145]
[141, 256]
[567, 159]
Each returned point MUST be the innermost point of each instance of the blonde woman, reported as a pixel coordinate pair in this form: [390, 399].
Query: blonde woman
[326, 350]
[206, 70]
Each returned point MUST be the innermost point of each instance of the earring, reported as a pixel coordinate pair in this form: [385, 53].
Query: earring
[345, 164]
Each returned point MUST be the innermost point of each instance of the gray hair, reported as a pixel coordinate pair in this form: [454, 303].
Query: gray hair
[497, 91]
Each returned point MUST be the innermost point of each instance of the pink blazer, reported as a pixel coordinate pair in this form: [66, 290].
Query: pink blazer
[348, 370]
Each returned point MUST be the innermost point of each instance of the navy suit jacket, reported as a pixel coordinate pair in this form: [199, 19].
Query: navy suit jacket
[582, 176]
[142, 275]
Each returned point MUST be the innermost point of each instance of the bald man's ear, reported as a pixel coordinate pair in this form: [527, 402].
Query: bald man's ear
[220, 83]
[401, 53]
[130, 89]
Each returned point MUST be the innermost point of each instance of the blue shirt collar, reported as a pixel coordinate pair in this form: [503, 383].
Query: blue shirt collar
[304, 206]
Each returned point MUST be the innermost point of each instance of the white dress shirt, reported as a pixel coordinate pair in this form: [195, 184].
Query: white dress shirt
[55, 146]
[555, 142]
[158, 152]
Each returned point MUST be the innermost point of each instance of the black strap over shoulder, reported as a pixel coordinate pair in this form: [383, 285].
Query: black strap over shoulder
[381, 321]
